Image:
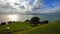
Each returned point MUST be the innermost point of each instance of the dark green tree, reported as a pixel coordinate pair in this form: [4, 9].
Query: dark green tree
[35, 21]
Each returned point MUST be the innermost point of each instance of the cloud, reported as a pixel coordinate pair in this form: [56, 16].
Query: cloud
[48, 10]
[39, 7]
[17, 4]
[22, 7]
[26, 6]
[6, 6]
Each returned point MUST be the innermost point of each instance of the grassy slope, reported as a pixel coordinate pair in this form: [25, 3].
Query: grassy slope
[51, 28]
[15, 27]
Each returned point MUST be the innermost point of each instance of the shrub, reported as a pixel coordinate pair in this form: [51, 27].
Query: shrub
[3, 23]
[44, 22]
[27, 20]
[9, 22]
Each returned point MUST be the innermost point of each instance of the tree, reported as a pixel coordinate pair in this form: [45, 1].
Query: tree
[34, 20]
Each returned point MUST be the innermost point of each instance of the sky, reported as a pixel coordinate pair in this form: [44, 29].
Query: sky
[29, 6]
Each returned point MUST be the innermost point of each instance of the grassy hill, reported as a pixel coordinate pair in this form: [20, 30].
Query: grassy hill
[26, 28]
[51, 28]
[15, 27]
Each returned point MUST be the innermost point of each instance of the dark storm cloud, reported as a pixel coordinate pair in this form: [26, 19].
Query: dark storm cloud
[6, 6]
[27, 6]
[17, 4]
[22, 7]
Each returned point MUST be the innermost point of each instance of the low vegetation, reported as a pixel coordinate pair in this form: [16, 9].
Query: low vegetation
[15, 27]
[26, 28]
[51, 28]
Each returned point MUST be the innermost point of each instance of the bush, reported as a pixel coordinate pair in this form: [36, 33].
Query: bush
[27, 20]
[44, 22]
[9, 22]
[3, 23]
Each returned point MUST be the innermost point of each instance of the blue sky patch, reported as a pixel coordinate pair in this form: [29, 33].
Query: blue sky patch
[51, 3]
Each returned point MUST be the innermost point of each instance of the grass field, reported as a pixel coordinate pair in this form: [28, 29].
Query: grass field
[51, 28]
[15, 27]
[26, 28]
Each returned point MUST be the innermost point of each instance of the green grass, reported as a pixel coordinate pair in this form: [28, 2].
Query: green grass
[15, 27]
[26, 28]
[51, 28]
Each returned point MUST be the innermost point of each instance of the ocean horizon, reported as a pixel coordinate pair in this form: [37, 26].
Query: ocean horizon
[19, 17]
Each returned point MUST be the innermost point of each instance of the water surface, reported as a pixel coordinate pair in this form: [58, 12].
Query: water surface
[18, 17]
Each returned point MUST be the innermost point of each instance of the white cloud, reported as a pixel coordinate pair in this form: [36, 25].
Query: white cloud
[25, 6]
[52, 10]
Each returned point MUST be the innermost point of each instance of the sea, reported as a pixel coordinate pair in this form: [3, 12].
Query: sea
[22, 18]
